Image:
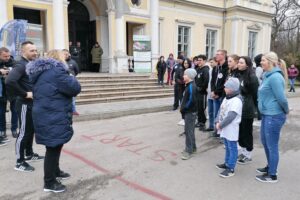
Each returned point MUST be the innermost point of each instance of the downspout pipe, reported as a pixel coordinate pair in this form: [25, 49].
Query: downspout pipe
[224, 22]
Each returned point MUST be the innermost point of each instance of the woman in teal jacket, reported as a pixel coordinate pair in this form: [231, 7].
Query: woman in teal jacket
[273, 105]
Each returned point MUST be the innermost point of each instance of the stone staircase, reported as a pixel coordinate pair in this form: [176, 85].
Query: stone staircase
[103, 88]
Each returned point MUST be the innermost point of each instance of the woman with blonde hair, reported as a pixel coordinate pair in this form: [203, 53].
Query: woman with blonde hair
[282, 66]
[53, 89]
[273, 106]
[233, 65]
[57, 55]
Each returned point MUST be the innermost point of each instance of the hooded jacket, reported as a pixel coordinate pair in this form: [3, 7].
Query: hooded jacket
[271, 95]
[53, 89]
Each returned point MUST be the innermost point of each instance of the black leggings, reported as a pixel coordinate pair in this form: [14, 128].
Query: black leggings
[51, 164]
[245, 134]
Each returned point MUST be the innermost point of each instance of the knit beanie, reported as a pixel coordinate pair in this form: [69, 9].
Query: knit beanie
[233, 84]
[191, 73]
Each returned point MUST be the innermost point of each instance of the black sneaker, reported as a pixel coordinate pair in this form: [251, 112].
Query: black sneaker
[215, 135]
[262, 170]
[56, 187]
[241, 156]
[4, 139]
[267, 178]
[181, 134]
[221, 166]
[202, 128]
[2, 143]
[34, 157]
[197, 125]
[209, 130]
[63, 175]
[244, 160]
[227, 173]
[24, 167]
[14, 133]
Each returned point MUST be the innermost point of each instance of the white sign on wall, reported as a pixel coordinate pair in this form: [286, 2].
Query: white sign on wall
[142, 53]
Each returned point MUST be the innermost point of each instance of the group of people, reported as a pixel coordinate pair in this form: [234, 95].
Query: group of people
[43, 91]
[236, 92]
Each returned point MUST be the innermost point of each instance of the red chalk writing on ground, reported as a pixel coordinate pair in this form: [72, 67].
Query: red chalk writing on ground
[133, 146]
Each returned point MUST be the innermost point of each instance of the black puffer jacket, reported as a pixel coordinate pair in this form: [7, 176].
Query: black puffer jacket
[249, 86]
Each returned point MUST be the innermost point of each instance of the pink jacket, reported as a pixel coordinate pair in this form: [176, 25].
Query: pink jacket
[293, 72]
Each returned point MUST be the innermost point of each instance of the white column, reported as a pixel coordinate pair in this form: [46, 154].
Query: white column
[3, 12]
[111, 15]
[234, 36]
[58, 24]
[120, 29]
[154, 31]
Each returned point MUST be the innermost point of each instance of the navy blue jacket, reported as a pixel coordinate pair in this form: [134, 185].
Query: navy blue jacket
[53, 89]
[189, 101]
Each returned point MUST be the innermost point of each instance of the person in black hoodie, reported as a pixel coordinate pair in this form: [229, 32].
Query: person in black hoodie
[201, 81]
[189, 110]
[6, 64]
[249, 86]
[161, 67]
[179, 84]
[19, 86]
[219, 77]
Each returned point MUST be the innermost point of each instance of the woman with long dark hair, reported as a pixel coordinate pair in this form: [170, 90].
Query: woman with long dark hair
[248, 86]
[161, 70]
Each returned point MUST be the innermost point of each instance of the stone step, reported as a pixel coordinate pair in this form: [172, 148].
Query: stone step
[124, 93]
[114, 85]
[123, 98]
[100, 81]
[100, 111]
[119, 89]
[106, 76]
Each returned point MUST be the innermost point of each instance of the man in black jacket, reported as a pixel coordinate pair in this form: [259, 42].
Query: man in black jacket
[201, 81]
[19, 86]
[219, 77]
[6, 64]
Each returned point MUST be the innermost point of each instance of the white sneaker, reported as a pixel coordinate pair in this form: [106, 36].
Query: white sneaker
[257, 123]
[181, 123]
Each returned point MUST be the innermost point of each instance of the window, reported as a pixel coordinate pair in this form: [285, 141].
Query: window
[252, 44]
[184, 40]
[211, 38]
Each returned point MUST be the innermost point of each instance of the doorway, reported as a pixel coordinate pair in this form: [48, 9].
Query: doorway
[82, 34]
[131, 30]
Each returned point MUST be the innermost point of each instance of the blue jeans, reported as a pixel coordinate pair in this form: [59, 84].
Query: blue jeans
[231, 153]
[14, 115]
[210, 106]
[73, 104]
[217, 103]
[270, 133]
[292, 82]
[189, 129]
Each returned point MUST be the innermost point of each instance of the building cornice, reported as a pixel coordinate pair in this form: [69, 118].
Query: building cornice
[249, 10]
[194, 4]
